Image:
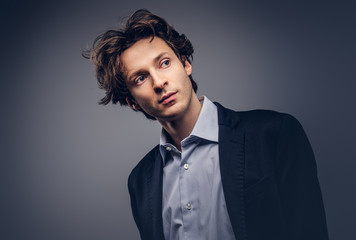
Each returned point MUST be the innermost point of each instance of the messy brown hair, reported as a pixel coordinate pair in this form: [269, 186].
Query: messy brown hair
[107, 48]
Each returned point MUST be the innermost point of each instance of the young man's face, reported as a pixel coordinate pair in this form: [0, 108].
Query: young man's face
[157, 79]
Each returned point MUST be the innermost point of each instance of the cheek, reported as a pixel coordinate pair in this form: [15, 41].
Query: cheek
[142, 96]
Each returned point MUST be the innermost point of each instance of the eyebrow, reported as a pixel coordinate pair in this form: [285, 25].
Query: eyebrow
[156, 59]
[138, 72]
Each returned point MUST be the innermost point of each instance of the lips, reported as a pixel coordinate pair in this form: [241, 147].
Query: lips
[167, 98]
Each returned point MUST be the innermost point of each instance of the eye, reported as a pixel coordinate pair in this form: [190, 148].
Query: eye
[166, 63]
[139, 79]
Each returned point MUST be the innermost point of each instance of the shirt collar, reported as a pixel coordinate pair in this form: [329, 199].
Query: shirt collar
[206, 127]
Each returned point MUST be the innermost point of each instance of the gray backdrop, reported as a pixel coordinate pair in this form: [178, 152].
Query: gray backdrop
[65, 159]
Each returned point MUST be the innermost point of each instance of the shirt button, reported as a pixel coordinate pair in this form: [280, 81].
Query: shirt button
[188, 206]
[168, 149]
[186, 166]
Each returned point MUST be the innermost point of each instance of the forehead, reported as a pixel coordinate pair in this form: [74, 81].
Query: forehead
[143, 52]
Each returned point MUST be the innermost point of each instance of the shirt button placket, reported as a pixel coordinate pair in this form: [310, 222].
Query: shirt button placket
[188, 206]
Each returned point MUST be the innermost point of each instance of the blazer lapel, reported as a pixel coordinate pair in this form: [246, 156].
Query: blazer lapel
[154, 182]
[232, 165]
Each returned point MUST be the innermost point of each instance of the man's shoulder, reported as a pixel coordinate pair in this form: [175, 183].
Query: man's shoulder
[145, 164]
[255, 118]
[263, 116]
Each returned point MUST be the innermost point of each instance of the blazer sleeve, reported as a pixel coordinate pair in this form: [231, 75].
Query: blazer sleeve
[298, 185]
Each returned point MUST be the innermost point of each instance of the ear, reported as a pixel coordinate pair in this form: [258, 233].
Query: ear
[132, 104]
[187, 66]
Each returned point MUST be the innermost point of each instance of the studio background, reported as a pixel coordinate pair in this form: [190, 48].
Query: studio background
[65, 159]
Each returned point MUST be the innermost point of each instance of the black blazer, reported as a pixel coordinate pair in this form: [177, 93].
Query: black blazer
[268, 174]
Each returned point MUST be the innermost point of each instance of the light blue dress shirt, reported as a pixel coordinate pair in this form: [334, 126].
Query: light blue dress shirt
[193, 199]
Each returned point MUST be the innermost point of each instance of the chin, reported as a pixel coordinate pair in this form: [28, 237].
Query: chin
[173, 116]
[168, 117]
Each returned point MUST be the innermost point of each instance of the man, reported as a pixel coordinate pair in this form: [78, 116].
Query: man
[216, 174]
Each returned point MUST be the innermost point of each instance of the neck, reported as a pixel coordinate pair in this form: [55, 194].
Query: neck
[180, 128]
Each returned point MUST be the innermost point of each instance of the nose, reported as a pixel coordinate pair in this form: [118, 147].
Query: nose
[159, 82]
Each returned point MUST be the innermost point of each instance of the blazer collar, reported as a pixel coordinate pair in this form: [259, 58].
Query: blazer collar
[153, 224]
[232, 167]
[227, 117]
[157, 204]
